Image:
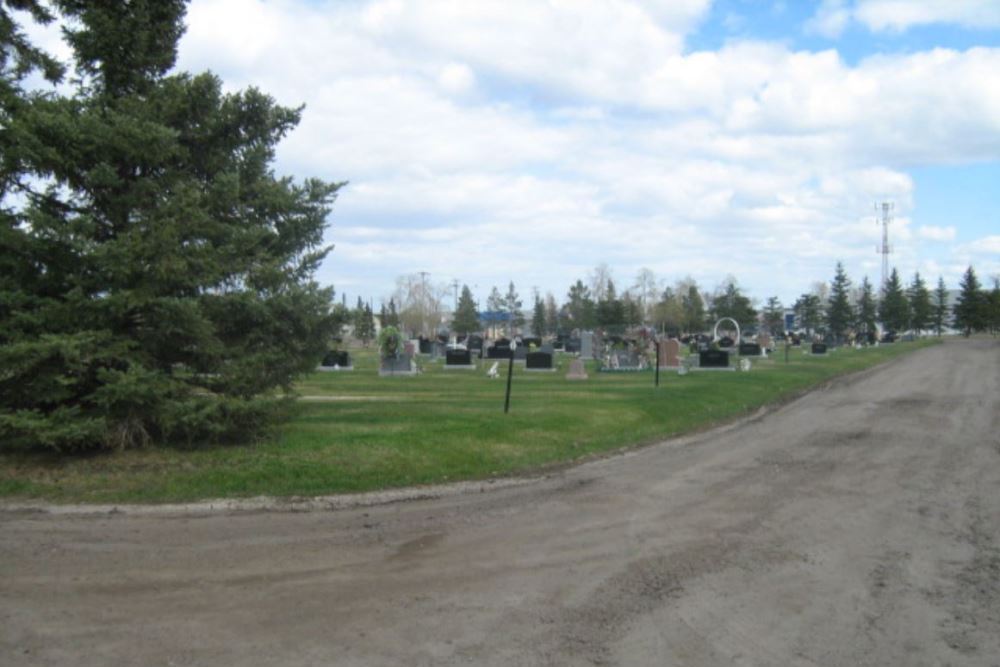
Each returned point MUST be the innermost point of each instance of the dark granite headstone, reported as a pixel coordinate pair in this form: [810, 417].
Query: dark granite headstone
[458, 358]
[500, 349]
[726, 341]
[541, 361]
[474, 342]
[573, 345]
[426, 346]
[337, 358]
[819, 348]
[713, 359]
[749, 349]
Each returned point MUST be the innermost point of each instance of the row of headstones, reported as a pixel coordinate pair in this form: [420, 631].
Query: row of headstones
[544, 358]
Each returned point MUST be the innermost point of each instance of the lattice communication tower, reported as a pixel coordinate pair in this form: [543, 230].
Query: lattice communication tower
[885, 248]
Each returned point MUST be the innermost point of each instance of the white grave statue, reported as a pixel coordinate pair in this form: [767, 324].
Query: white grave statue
[494, 370]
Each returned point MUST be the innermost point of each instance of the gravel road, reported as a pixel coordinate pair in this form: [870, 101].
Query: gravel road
[858, 525]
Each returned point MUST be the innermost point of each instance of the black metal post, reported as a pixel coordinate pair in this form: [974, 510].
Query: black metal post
[510, 375]
[657, 381]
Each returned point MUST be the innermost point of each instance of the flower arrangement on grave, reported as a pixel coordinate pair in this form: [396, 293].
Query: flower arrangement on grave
[390, 342]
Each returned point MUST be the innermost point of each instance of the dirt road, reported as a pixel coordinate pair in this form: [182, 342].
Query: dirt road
[859, 525]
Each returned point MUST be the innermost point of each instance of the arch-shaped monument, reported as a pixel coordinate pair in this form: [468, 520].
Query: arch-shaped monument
[715, 330]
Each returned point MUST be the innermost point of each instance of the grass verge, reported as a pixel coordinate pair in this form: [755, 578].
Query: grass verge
[355, 431]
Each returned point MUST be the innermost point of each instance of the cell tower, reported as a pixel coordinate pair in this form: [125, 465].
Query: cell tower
[885, 248]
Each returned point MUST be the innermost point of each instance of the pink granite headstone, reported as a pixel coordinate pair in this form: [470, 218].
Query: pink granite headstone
[670, 353]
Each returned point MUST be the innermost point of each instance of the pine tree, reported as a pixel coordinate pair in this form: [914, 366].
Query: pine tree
[632, 314]
[694, 310]
[940, 311]
[580, 306]
[466, 318]
[839, 314]
[773, 315]
[552, 319]
[512, 306]
[993, 307]
[164, 282]
[391, 315]
[538, 317]
[921, 310]
[894, 309]
[969, 308]
[610, 312]
[809, 311]
[867, 313]
[364, 323]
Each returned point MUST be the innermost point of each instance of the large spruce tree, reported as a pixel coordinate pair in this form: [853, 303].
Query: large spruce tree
[867, 311]
[160, 285]
[466, 318]
[894, 309]
[839, 314]
[921, 309]
[939, 315]
[970, 307]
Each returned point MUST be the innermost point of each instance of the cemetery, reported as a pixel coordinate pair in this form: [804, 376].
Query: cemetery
[389, 423]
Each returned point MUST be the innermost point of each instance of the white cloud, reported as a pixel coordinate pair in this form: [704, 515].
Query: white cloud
[457, 78]
[831, 18]
[489, 141]
[933, 233]
[901, 15]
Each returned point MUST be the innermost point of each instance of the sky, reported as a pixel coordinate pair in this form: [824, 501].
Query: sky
[529, 141]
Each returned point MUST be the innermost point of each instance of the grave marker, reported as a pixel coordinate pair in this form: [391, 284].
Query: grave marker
[539, 362]
[458, 359]
[713, 360]
[577, 371]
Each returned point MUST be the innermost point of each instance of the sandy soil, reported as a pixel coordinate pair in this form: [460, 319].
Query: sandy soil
[859, 525]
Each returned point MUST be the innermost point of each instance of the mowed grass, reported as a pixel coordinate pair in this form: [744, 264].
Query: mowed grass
[354, 431]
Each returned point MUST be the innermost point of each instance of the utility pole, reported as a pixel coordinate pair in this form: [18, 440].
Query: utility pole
[885, 248]
[454, 284]
[423, 301]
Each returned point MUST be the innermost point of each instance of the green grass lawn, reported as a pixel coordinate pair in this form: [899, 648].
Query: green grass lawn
[354, 431]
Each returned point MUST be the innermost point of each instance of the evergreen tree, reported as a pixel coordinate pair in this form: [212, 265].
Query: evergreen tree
[774, 315]
[610, 312]
[162, 285]
[580, 306]
[921, 310]
[694, 310]
[940, 312]
[993, 307]
[839, 314]
[552, 319]
[809, 311]
[732, 303]
[364, 323]
[969, 309]
[894, 309]
[632, 315]
[466, 318]
[512, 306]
[538, 317]
[867, 314]
[391, 315]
